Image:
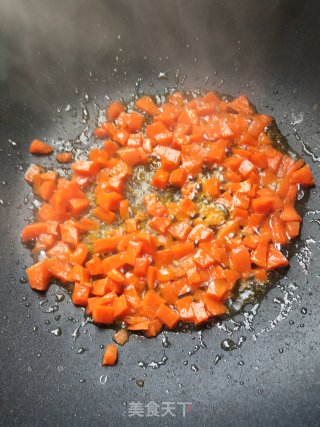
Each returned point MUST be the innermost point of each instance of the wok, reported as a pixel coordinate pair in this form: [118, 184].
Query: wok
[58, 62]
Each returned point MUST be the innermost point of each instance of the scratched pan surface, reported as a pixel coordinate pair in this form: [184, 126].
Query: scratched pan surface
[51, 57]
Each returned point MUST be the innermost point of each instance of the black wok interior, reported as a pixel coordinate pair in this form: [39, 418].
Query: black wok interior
[58, 58]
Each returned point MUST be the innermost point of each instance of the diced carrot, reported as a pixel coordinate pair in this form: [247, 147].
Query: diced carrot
[200, 312]
[154, 206]
[141, 266]
[100, 287]
[160, 224]
[278, 230]
[178, 177]
[116, 275]
[124, 209]
[110, 355]
[213, 250]
[103, 314]
[121, 306]
[214, 307]
[61, 251]
[203, 259]
[83, 180]
[259, 255]
[260, 274]
[133, 156]
[39, 276]
[106, 244]
[80, 294]
[32, 172]
[39, 147]
[146, 104]
[262, 204]
[32, 231]
[251, 241]
[274, 159]
[111, 262]
[218, 289]
[246, 168]
[275, 259]
[59, 269]
[105, 216]
[215, 154]
[170, 158]
[160, 179]
[109, 201]
[44, 242]
[292, 228]
[69, 233]
[255, 219]
[47, 189]
[87, 224]
[164, 257]
[85, 167]
[151, 303]
[180, 230]
[110, 147]
[99, 157]
[259, 123]
[131, 225]
[241, 201]
[132, 296]
[133, 251]
[79, 274]
[168, 316]
[303, 176]
[180, 250]
[121, 136]
[155, 128]
[151, 274]
[184, 308]
[121, 337]
[139, 326]
[240, 259]
[200, 233]
[211, 187]
[136, 140]
[65, 157]
[78, 206]
[49, 176]
[134, 121]
[289, 214]
[291, 194]
[94, 265]
[114, 110]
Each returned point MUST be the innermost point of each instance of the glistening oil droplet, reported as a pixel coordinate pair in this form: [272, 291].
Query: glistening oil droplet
[229, 345]
[56, 332]
[59, 297]
[140, 383]
[163, 75]
[194, 350]
[165, 342]
[217, 359]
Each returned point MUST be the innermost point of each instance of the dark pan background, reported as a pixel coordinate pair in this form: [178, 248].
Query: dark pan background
[52, 53]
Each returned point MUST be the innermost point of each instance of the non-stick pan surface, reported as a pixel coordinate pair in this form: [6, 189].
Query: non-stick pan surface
[59, 59]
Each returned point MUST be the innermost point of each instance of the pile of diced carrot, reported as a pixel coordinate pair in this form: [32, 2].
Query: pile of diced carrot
[167, 263]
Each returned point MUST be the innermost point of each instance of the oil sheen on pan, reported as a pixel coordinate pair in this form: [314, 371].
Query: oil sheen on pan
[183, 205]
